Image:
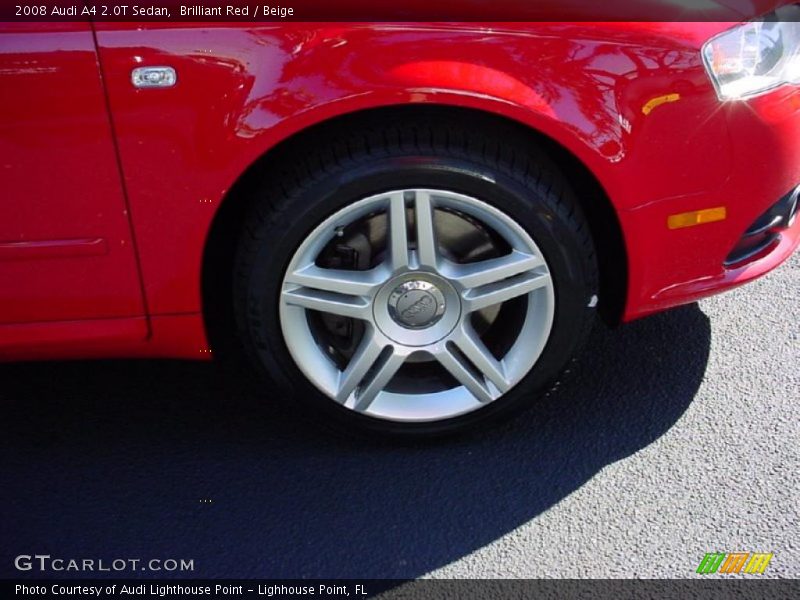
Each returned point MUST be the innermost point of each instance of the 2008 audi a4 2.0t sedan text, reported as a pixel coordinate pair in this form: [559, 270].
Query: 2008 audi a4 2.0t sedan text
[405, 228]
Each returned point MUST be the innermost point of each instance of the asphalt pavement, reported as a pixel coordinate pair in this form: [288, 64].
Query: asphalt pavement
[673, 436]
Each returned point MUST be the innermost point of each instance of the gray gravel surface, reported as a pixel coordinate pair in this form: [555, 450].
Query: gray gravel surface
[724, 477]
[673, 436]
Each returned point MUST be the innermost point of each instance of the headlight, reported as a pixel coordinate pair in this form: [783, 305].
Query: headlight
[756, 57]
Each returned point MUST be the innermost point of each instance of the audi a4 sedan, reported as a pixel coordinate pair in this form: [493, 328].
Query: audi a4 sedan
[404, 228]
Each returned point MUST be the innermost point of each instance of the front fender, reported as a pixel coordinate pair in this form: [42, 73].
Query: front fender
[624, 100]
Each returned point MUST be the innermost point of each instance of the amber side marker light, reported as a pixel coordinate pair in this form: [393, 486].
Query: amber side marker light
[696, 217]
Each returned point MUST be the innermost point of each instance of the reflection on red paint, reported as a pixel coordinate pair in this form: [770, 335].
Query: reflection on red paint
[469, 78]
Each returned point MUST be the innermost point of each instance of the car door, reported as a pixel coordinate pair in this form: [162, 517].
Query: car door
[66, 247]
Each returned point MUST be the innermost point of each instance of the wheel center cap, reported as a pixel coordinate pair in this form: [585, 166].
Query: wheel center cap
[416, 304]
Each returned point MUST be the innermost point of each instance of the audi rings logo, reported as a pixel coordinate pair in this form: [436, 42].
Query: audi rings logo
[422, 305]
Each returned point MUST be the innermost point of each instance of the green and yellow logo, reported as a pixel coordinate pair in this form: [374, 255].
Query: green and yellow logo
[734, 562]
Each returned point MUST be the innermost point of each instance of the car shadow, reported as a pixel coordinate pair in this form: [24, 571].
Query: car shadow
[167, 459]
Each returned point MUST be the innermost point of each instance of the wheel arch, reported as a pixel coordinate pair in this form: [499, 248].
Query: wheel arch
[221, 241]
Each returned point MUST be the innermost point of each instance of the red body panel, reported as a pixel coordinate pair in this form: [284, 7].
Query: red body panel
[675, 267]
[66, 250]
[631, 101]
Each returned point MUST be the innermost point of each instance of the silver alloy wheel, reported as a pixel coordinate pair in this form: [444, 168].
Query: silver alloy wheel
[416, 304]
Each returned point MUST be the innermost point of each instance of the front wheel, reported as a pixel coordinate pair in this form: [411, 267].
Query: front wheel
[415, 291]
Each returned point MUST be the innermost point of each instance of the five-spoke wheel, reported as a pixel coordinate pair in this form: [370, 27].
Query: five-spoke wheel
[417, 305]
[414, 288]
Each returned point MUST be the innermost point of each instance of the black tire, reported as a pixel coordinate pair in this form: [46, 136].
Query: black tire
[498, 165]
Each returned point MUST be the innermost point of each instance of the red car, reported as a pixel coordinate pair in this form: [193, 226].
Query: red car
[408, 228]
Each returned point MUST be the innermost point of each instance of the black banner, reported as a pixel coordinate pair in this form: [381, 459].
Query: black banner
[260, 11]
[393, 589]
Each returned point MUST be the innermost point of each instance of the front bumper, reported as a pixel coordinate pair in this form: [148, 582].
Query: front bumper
[765, 233]
[673, 267]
